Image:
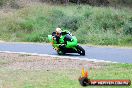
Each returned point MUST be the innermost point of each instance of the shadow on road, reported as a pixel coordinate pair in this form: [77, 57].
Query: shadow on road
[71, 54]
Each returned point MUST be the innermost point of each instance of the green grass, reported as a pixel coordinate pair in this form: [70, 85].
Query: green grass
[59, 78]
[91, 25]
[25, 71]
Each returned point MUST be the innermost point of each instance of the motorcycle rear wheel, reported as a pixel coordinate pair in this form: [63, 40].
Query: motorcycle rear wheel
[80, 50]
[60, 52]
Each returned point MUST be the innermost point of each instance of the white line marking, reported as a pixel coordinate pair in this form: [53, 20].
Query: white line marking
[36, 54]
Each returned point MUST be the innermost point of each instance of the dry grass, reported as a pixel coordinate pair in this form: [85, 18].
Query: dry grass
[26, 71]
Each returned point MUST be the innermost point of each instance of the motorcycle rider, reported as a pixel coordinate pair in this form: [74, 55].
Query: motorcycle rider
[58, 34]
[63, 42]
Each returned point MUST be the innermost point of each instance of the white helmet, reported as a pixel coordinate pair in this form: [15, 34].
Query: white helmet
[58, 30]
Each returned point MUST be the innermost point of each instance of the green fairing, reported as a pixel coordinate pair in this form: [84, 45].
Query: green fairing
[56, 45]
[50, 38]
[62, 39]
[71, 44]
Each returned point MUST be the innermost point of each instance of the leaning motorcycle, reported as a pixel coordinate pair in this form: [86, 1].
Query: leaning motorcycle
[68, 44]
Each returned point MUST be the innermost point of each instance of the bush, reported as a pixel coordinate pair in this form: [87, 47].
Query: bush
[11, 3]
[55, 16]
[108, 41]
[1, 2]
[26, 26]
[128, 28]
[94, 25]
[126, 40]
[37, 37]
[71, 23]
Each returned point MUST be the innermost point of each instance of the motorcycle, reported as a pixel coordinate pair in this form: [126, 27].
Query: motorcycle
[68, 44]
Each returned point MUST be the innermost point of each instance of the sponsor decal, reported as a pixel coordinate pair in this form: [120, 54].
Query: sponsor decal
[85, 81]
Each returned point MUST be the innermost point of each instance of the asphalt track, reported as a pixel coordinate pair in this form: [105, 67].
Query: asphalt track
[106, 54]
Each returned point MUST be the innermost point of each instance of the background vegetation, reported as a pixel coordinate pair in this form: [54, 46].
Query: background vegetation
[33, 21]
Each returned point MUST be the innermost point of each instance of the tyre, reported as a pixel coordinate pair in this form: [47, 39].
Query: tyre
[80, 50]
[60, 53]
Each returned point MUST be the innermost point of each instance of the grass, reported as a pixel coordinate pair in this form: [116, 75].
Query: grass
[17, 77]
[91, 25]
[60, 78]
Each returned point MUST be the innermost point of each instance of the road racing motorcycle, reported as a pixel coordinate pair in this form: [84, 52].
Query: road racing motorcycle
[67, 44]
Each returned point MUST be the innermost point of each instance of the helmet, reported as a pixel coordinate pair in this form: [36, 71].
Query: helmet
[58, 30]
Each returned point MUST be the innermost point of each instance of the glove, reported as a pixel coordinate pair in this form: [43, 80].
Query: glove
[54, 38]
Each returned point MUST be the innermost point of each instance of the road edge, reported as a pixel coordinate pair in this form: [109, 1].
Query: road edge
[55, 56]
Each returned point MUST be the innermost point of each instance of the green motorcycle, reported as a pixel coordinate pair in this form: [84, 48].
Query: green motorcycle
[67, 44]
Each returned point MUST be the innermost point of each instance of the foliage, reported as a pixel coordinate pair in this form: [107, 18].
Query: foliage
[95, 25]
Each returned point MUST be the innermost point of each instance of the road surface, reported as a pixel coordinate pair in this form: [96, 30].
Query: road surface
[107, 54]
